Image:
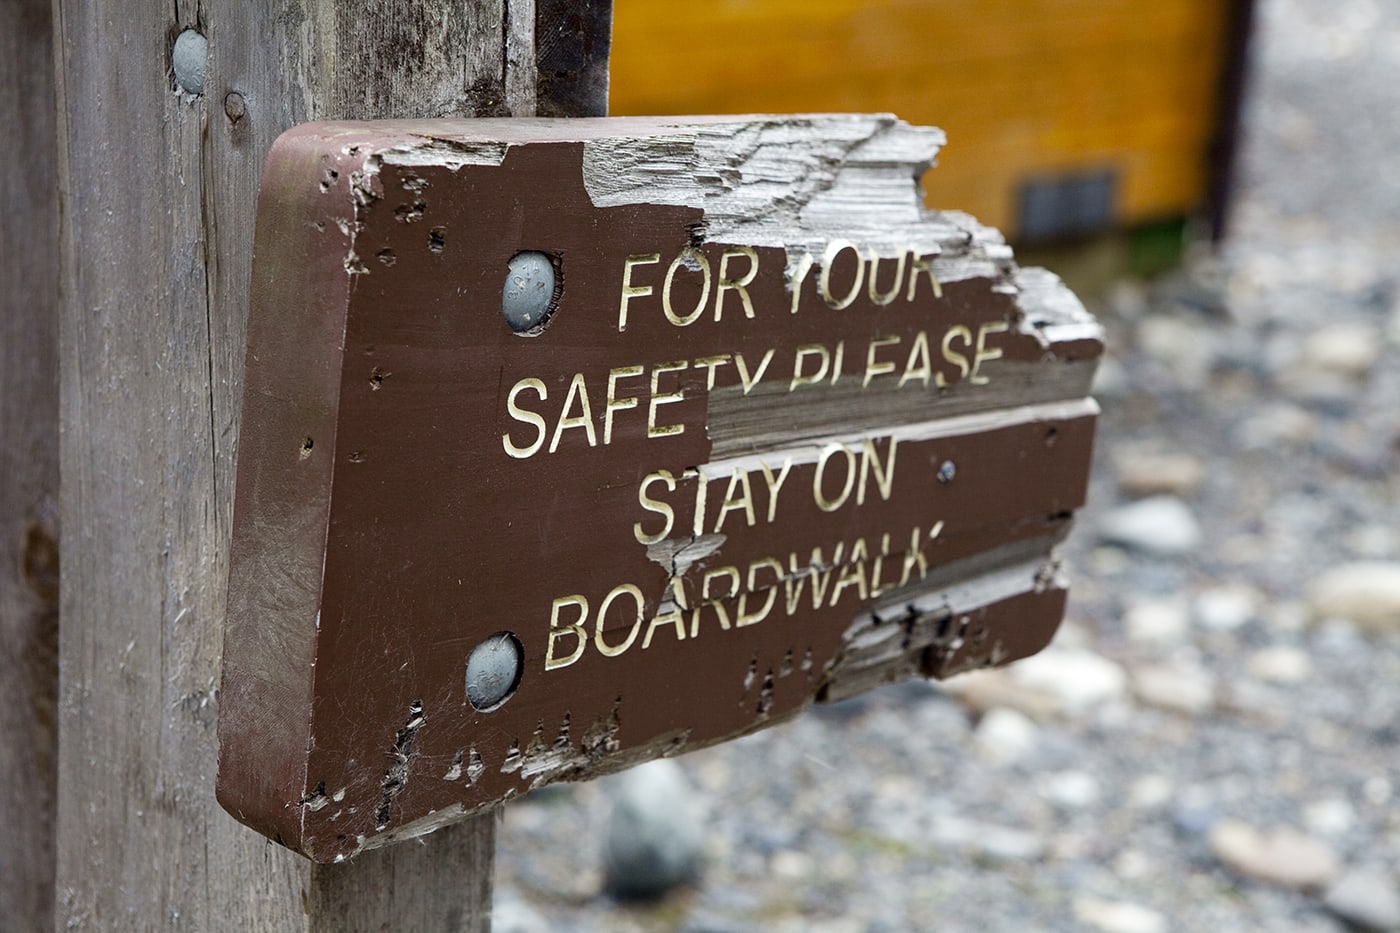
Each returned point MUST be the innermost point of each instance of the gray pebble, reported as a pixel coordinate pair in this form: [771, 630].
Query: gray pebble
[512, 915]
[1161, 526]
[1366, 898]
[654, 834]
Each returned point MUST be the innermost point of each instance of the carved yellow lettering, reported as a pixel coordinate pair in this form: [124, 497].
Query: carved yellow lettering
[795, 279]
[664, 398]
[525, 416]
[984, 354]
[614, 403]
[742, 617]
[818, 490]
[712, 602]
[671, 617]
[854, 574]
[918, 367]
[689, 258]
[578, 389]
[711, 363]
[959, 360]
[744, 379]
[574, 628]
[876, 589]
[774, 485]
[655, 505]
[798, 376]
[603, 647]
[726, 284]
[738, 498]
[922, 264]
[870, 463]
[833, 250]
[873, 368]
[883, 298]
[630, 291]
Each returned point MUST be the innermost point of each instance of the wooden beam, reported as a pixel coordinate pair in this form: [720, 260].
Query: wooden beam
[158, 191]
[28, 465]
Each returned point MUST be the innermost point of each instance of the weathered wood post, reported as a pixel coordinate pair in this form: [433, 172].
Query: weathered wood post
[165, 116]
[28, 465]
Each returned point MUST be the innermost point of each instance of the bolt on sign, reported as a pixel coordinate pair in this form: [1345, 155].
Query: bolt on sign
[570, 444]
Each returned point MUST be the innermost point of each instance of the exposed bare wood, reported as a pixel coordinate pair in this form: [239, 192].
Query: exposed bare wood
[377, 371]
[28, 466]
[157, 188]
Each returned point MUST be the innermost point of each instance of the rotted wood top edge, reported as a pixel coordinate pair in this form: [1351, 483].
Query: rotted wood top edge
[765, 185]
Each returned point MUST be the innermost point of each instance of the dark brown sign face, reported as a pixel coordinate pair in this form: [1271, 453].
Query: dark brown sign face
[572, 444]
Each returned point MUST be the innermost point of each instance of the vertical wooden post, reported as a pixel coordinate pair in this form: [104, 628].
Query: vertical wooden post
[158, 188]
[28, 465]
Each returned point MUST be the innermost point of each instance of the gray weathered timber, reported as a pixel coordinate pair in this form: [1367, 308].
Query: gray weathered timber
[28, 466]
[158, 193]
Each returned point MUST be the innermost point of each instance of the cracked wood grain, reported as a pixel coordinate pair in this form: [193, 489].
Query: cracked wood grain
[158, 191]
[397, 233]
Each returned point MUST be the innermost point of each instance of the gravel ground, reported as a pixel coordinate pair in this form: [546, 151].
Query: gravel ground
[1213, 741]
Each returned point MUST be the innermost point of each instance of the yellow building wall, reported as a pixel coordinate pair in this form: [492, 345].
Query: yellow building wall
[1024, 88]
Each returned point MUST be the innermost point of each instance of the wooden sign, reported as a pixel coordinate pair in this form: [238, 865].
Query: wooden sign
[571, 444]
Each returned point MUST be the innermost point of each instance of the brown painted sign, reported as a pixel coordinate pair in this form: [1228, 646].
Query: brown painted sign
[569, 444]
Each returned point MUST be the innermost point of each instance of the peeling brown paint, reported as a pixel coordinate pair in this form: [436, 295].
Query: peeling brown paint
[756, 536]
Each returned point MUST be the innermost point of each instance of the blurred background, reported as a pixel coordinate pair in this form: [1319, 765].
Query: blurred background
[1213, 740]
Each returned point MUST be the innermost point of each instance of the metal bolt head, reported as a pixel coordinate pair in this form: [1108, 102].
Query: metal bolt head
[190, 61]
[493, 671]
[528, 298]
[947, 471]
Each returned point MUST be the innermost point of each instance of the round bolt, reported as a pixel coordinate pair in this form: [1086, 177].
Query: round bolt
[493, 671]
[529, 295]
[947, 471]
[235, 107]
[190, 59]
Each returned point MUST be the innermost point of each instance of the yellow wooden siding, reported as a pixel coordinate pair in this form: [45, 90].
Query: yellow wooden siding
[1025, 88]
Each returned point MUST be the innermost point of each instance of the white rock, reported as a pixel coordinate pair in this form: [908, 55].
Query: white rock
[1366, 593]
[1077, 679]
[1283, 857]
[1346, 349]
[1145, 472]
[1366, 898]
[1176, 689]
[790, 864]
[1002, 843]
[1277, 425]
[1162, 526]
[1181, 345]
[1072, 790]
[984, 691]
[1158, 622]
[1378, 790]
[1226, 607]
[1374, 542]
[1281, 664]
[512, 915]
[1151, 792]
[1110, 379]
[1330, 817]
[1005, 736]
[1118, 916]
[655, 831]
